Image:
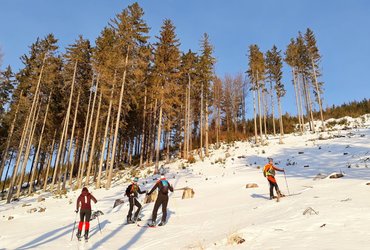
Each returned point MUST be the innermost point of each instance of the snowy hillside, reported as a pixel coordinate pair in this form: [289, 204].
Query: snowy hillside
[320, 213]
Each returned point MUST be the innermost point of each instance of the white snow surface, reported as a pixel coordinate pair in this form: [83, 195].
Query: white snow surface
[222, 206]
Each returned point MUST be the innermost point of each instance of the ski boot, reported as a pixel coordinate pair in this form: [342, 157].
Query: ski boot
[129, 220]
[78, 235]
[162, 223]
[86, 235]
[151, 224]
[137, 219]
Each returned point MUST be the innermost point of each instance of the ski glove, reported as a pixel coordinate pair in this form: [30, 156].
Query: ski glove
[76, 211]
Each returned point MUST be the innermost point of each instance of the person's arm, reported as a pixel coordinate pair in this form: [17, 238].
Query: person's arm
[128, 190]
[152, 190]
[278, 169]
[170, 187]
[139, 190]
[93, 198]
[78, 203]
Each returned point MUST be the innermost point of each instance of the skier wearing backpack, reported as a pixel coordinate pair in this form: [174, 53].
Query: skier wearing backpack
[162, 200]
[132, 193]
[84, 202]
[269, 173]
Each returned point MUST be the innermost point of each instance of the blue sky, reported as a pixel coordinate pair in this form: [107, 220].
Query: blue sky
[342, 30]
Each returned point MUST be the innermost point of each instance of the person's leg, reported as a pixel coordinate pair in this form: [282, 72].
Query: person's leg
[87, 223]
[271, 189]
[137, 203]
[164, 209]
[155, 210]
[80, 225]
[131, 200]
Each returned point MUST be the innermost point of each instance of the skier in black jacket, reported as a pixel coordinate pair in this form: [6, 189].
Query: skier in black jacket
[162, 200]
[132, 194]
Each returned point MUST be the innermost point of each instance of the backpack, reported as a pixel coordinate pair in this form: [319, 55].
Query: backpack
[268, 170]
[164, 188]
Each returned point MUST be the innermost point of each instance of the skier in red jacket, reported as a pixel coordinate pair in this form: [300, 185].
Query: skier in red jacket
[84, 201]
[269, 173]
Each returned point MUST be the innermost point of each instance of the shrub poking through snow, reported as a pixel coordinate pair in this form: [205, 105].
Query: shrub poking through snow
[191, 159]
[336, 175]
[188, 193]
[251, 185]
[235, 239]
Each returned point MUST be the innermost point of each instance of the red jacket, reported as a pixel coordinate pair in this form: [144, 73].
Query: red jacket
[85, 200]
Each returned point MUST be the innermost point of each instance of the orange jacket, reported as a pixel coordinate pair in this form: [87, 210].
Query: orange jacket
[269, 172]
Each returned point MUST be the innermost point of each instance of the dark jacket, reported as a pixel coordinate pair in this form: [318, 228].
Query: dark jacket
[163, 186]
[85, 200]
[133, 190]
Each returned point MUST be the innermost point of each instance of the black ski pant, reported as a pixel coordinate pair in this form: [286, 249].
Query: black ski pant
[272, 186]
[85, 215]
[133, 202]
[162, 200]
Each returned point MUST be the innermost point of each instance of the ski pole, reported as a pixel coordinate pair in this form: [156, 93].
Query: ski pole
[99, 223]
[74, 225]
[286, 182]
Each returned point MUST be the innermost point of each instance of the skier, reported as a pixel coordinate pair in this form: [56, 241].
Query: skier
[84, 201]
[269, 173]
[132, 193]
[162, 200]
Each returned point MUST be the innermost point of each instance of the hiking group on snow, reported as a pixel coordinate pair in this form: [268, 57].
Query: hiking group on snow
[163, 186]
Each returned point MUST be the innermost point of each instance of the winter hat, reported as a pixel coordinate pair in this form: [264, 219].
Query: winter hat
[135, 179]
[270, 159]
[163, 177]
[85, 189]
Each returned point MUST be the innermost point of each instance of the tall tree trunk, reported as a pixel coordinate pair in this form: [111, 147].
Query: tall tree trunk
[296, 99]
[105, 137]
[7, 171]
[71, 145]
[143, 131]
[260, 114]
[115, 138]
[74, 156]
[272, 108]
[206, 129]
[318, 95]
[81, 156]
[264, 102]
[158, 136]
[309, 103]
[281, 122]
[39, 146]
[201, 125]
[28, 150]
[185, 153]
[24, 133]
[92, 151]
[87, 144]
[152, 141]
[8, 140]
[49, 162]
[168, 135]
[255, 118]
[63, 140]
[188, 146]
[300, 97]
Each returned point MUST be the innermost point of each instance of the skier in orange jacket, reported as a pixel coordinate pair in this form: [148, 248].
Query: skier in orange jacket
[269, 173]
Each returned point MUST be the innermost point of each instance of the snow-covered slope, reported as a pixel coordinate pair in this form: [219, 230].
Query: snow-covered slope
[337, 214]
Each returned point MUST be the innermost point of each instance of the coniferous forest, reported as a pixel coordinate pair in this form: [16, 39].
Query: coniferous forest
[73, 119]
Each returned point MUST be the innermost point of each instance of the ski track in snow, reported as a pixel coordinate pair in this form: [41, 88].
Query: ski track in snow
[222, 205]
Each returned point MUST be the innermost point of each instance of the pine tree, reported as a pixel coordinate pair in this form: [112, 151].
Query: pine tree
[274, 69]
[315, 58]
[166, 75]
[206, 77]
